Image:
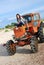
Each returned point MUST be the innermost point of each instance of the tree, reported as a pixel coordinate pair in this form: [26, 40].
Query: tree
[8, 26]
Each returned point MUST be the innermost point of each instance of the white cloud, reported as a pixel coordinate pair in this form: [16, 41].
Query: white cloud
[35, 9]
[11, 18]
[0, 21]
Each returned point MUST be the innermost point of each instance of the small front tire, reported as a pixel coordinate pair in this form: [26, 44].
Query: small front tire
[10, 46]
[34, 44]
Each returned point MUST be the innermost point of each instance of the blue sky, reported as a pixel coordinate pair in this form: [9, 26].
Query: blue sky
[9, 9]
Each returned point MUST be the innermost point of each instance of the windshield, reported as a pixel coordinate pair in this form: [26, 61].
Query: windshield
[28, 18]
[36, 17]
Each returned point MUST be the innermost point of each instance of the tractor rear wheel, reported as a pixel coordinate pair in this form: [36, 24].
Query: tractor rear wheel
[34, 44]
[41, 34]
[10, 46]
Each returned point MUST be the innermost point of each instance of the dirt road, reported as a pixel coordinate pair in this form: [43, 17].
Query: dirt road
[22, 56]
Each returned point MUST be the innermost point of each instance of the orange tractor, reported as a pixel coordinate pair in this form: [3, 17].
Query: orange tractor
[27, 34]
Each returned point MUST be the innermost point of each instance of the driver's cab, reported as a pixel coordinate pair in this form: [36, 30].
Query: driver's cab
[33, 20]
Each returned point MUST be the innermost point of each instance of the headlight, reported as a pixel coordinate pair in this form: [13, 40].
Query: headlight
[35, 23]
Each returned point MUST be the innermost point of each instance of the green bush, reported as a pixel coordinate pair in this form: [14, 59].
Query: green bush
[6, 30]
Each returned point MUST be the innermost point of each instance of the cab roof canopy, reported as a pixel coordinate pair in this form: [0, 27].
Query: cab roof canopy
[30, 14]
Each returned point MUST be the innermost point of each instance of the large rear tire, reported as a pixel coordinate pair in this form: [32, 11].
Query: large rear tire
[34, 44]
[10, 46]
[41, 34]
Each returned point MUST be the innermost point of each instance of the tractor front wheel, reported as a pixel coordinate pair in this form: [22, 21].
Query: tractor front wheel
[34, 44]
[11, 48]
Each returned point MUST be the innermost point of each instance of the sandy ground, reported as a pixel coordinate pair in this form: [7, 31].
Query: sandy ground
[22, 56]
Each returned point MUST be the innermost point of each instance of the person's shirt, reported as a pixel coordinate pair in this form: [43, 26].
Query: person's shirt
[23, 20]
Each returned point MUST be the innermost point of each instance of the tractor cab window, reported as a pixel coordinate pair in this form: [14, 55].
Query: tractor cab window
[28, 18]
[36, 17]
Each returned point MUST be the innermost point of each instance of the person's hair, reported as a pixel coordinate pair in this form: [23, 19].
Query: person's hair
[17, 17]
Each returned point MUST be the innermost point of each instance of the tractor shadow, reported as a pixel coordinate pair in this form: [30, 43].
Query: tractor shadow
[22, 50]
[19, 50]
[3, 51]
